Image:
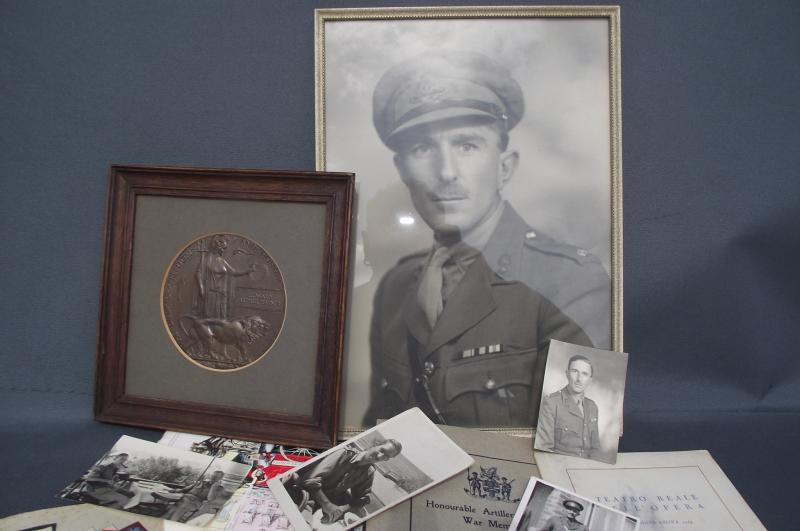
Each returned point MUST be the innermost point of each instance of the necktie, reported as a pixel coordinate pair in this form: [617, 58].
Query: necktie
[580, 406]
[429, 293]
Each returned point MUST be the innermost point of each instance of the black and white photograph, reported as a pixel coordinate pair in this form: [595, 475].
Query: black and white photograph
[155, 480]
[368, 474]
[215, 446]
[486, 149]
[582, 399]
[545, 507]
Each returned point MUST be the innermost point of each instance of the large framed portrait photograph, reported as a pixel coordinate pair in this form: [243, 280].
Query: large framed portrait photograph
[486, 145]
[222, 304]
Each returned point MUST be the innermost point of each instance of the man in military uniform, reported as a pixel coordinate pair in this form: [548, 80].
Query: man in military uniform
[461, 329]
[199, 497]
[568, 419]
[341, 482]
[568, 522]
[103, 484]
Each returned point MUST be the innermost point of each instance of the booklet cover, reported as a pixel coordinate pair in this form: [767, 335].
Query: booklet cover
[369, 473]
[484, 496]
[667, 491]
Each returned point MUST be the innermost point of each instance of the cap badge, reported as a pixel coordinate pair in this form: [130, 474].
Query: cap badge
[428, 91]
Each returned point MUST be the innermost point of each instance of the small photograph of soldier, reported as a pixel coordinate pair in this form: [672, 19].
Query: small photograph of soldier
[545, 507]
[582, 416]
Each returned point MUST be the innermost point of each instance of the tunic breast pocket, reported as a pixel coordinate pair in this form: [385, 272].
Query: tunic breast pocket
[491, 390]
[568, 438]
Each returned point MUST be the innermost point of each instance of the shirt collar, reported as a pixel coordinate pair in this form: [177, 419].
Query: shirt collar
[575, 397]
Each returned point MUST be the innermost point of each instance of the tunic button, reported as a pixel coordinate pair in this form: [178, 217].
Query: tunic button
[530, 235]
[428, 368]
[582, 252]
[384, 383]
[490, 384]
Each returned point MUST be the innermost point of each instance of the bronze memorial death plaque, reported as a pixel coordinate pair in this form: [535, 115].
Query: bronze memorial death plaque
[223, 301]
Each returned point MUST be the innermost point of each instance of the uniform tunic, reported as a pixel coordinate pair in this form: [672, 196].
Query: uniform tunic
[564, 429]
[570, 277]
[483, 361]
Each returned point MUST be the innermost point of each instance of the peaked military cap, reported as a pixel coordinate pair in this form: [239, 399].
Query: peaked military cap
[440, 85]
[573, 505]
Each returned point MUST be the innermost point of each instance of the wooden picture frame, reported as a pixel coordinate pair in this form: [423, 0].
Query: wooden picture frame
[382, 73]
[290, 393]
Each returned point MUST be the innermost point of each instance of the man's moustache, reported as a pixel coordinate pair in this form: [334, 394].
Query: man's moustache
[447, 194]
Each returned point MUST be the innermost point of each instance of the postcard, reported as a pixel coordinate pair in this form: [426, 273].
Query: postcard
[546, 507]
[153, 479]
[485, 495]
[668, 491]
[368, 474]
[582, 397]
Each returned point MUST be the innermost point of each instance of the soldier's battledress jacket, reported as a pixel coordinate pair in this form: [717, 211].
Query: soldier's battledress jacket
[482, 364]
[563, 429]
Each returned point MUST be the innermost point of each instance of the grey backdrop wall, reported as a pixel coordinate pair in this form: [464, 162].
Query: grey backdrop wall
[711, 207]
